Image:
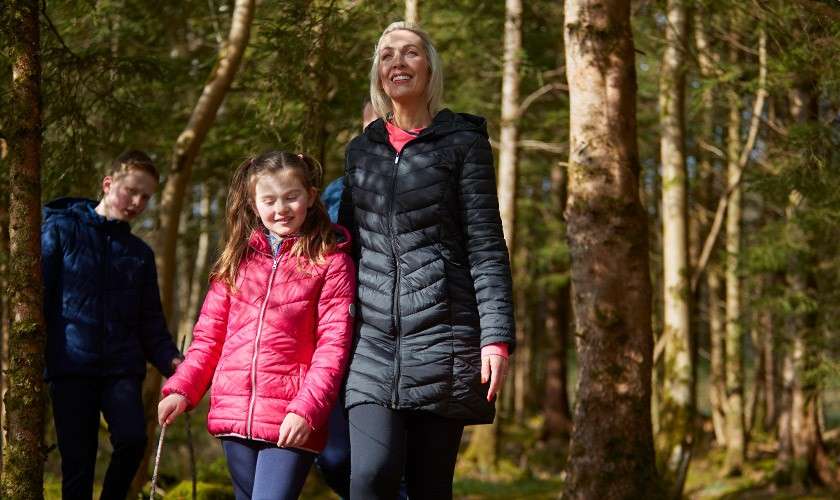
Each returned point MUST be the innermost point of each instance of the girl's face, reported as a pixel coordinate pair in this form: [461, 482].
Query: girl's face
[281, 201]
[403, 66]
[126, 195]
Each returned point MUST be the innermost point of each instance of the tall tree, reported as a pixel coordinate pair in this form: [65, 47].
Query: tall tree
[511, 61]
[185, 151]
[735, 433]
[676, 406]
[412, 11]
[24, 401]
[558, 415]
[608, 241]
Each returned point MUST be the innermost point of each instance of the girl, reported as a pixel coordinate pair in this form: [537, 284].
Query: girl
[275, 328]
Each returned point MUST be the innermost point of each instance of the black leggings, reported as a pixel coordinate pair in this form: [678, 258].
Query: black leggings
[383, 442]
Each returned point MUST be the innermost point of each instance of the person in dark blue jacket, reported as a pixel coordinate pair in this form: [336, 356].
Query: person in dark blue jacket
[104, 321]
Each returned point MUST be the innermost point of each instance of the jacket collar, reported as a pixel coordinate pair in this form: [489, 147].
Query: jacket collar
[259, 242]
[84, 210]
[445, 122]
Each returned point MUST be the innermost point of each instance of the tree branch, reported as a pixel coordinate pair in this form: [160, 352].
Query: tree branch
[545, 89]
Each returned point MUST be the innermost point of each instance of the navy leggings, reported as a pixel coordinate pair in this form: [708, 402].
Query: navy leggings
[262, 471]
[77, 403]
[385, 442]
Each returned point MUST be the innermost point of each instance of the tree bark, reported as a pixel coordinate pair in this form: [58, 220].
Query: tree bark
[5, 317]
[511, 59]
[706, 192]
[508, 127]
[676, 406]
[608, 242]
[558, 416]
[412, 11]
[184, 154]
[25, 399]
[735, 435]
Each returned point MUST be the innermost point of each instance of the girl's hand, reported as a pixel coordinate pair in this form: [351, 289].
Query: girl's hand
[170, 407]
[493, 368]
[294, 431]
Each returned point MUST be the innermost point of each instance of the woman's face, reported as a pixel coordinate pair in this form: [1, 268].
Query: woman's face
[403, 67]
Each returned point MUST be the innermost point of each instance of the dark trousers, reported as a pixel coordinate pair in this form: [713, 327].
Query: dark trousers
[77, 403]
[385, 442]
[262, 471]
[334, 461]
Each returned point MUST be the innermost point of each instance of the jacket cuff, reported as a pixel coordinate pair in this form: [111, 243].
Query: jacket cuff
[495, 349]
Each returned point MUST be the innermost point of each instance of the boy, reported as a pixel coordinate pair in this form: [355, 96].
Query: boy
[104, 321]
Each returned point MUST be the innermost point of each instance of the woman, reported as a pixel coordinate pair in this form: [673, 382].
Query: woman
[435, 316]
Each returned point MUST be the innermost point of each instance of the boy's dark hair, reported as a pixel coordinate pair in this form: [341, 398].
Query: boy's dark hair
[133, 159]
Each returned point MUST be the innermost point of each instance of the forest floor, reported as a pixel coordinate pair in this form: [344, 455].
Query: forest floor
[528, 469]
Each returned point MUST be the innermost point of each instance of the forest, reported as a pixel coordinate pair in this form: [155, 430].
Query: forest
[668, 176]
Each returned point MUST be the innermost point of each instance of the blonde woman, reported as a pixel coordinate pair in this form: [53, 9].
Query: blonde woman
[434, 320]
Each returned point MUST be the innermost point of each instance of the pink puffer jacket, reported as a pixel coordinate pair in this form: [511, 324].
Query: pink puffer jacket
[279, 344]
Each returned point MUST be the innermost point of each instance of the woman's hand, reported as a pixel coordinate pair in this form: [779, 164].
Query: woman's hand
[170, 407]
[493, 368]
[294, 431]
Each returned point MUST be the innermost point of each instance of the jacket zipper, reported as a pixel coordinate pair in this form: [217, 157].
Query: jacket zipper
[395, 308]
[276, 261]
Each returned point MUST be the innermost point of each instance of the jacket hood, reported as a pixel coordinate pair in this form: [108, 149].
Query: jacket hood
[259, 242]
[444, 123]
[84, 210]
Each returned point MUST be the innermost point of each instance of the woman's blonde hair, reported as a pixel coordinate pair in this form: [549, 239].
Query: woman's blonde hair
[434, 90]
[316, 238]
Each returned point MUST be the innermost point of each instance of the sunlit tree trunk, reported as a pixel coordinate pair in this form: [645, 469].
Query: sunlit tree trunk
[735, 435]
[676, 404]
[412, 12]
[608, 242]
[24, 454]
[5, 318]
[186, 150]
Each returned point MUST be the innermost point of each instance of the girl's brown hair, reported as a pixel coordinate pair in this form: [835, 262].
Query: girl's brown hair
[315, 239]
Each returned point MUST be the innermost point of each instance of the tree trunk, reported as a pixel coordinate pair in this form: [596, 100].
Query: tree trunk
[608, 242]
[5, 318]
[770, 381]
[706, 194]
[507, 188]
[558, 416]
[23, 473]
[199, 274]
[522, 361]
[676, 406]
[412, 12]
[717, 342]
[185, 151]
[735, 436]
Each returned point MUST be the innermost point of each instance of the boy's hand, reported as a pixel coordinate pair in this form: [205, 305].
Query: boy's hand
[294, 431]
[170, 407]
[175, 362]
[493, 368]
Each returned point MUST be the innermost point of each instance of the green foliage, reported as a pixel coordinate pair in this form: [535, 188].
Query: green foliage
[204, 491]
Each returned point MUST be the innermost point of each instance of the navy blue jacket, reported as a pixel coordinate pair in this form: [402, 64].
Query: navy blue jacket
[101, 299]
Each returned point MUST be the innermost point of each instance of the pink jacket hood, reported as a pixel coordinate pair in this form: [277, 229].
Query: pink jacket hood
[279, 344]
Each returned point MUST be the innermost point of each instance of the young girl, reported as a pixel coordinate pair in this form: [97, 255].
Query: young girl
[274, 332]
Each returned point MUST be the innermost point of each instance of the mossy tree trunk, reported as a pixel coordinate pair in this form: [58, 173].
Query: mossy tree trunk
[185, 152]
[735, 434]
[608, 242]
[676, 403]
[24, 453]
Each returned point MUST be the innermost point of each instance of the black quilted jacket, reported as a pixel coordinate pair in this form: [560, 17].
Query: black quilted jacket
[434, 282]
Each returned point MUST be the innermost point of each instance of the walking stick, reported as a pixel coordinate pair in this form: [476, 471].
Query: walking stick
[157, 462]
